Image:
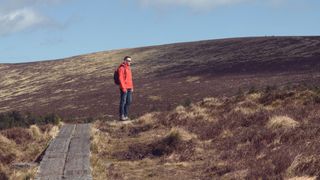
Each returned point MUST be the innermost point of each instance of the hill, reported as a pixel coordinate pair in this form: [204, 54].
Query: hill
[164, 76]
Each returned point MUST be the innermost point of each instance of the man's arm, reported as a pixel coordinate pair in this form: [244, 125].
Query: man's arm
[122, 79]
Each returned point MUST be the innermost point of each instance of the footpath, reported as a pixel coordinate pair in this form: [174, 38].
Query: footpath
[68, 155]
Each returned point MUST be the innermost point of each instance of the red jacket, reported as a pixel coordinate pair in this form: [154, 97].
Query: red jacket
[125, 77]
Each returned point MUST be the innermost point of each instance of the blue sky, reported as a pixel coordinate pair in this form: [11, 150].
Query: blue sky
[33, 30]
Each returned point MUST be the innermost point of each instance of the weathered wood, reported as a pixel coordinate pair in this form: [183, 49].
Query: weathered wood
[68, 155]
[77, 166]
[78, 160]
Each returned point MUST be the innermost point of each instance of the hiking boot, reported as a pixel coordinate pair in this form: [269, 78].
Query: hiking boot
[122, 118]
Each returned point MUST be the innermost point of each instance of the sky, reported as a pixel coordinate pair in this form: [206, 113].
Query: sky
[35, 30]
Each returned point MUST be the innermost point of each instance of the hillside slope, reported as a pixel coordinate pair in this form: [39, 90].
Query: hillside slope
[164, 76]
[271, 134]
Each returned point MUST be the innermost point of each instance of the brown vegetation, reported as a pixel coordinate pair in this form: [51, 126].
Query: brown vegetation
[164, 76]
[213, 139]
[22, 145]
[266, 133]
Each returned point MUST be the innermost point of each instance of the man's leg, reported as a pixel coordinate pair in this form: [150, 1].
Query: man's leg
[128, 102]
[123, 99]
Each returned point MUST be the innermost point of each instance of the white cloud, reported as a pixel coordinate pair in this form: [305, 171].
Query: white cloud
[19, 15]
[19, 20]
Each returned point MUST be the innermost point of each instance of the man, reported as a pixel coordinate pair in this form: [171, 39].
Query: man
[126, 88]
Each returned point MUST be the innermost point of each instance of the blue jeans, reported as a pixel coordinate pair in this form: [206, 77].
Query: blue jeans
[125, 101]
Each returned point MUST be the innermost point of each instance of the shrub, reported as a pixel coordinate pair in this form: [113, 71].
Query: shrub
[18, 119]
[187, 102]
[53, 119]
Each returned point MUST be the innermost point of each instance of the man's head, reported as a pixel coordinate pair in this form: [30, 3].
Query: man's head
[127, 59]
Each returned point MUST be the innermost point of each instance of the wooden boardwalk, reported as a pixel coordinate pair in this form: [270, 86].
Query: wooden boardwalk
[68, 155]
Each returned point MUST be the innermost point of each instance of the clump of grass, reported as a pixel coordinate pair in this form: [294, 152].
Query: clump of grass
[194, 112]
[99, 141]
[166, 145]
[305, 165]
[21, 145]
[245, 110]
[142, 124]
[36, 132]
[173, 141]
[53, 131]
[284, 122]
[187, 102]
[252, 90]
[182, 134]
[25, 174]
[211, 102]
[254, 96]
[148, 118]
[303, 178]
[316, 99]
[135, 130]
[18, 135]
[269, 98]
[238, 174]
[216, 170]
[8, 152]
[98, 148]
[98, 167]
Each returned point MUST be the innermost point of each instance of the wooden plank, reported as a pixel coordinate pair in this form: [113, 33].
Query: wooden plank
[79, 145]
[59, 145]
[66, 131]
[52, 167]
[68, 155]
[77, 165]
[78, 159]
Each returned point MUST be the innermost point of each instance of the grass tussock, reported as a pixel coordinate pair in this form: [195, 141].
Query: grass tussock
[170, 143]
[272, 134]
[22, 145]
[35, 132]
[284, 122]
[99, 148]
[302, 164]
[303, 178]
[8, 152]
